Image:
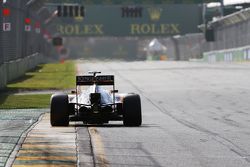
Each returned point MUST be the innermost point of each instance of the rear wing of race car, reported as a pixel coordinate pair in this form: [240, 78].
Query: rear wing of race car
[86, 80]
[98, 80]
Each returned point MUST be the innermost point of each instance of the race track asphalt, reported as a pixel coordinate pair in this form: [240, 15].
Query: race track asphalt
[194, 115]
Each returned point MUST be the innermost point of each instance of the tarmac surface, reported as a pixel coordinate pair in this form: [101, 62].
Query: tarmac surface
[194, 114]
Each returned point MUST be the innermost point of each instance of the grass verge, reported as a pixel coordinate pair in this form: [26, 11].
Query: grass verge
[52, 76]
[25, 101]
[47, 76]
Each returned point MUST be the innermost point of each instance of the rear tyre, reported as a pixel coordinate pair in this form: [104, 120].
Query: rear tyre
[132, 110]
[59, 114]
[71, 107]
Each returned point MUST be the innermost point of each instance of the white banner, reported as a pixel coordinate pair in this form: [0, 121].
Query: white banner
[6, 26]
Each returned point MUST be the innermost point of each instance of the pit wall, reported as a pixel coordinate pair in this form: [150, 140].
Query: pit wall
[241, 54]
[12, 70]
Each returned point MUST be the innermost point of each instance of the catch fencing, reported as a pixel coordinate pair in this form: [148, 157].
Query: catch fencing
[21, 49]
[180, 48]
[232, 38]
[184, 47]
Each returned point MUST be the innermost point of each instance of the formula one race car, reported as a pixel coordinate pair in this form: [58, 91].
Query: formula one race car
[95, 105]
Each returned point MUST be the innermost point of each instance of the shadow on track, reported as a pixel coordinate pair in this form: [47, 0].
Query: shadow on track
[115, 125]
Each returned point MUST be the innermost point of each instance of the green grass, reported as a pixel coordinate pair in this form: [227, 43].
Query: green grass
[24, 101]
[47, 76]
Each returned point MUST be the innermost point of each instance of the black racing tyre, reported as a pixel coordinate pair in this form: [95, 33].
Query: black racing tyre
[71, 107]
[59, 114]
[132, 110]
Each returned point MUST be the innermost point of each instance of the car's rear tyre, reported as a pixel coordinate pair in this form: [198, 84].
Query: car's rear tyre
[59, 114]
[132, 110]
[71, 107]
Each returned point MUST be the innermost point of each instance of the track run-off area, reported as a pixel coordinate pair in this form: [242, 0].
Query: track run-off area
[194, 114]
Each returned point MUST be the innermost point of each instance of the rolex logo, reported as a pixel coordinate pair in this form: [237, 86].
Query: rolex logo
[154, 13]
[79, 18]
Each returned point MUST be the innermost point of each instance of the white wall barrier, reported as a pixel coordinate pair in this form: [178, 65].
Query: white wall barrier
[240, 54]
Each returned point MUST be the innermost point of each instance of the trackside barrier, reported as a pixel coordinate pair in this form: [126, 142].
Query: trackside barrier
[12, 70]
[3, 79]
[228, 55]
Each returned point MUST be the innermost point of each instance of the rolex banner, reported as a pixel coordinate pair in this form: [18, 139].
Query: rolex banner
[139, 20]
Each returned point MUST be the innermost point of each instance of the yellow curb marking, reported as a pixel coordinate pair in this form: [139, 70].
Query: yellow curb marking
[47, 158]
[44, 151]
[49, 165]
[26, 146]
[51, 136]
[98, 147]
[44, 140]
